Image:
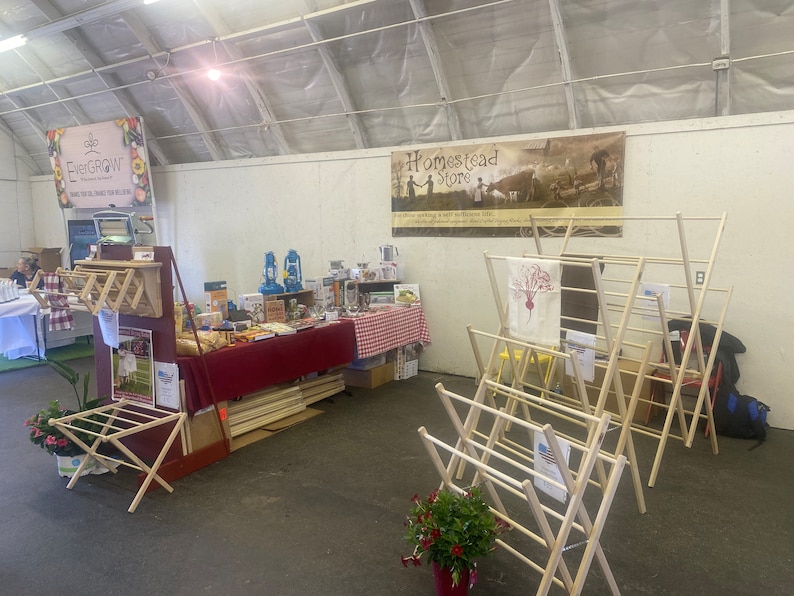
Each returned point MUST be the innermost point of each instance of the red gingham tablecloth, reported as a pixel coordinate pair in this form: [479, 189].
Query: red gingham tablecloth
[384, 330]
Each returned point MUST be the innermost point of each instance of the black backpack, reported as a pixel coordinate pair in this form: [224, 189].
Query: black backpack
[739, 416]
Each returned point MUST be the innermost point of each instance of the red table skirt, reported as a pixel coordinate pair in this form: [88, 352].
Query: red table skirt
[245, 368]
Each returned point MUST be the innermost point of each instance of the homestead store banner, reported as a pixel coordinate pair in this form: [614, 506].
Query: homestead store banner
[492, 190]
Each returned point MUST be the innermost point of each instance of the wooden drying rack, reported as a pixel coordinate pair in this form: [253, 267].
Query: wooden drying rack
[126, 287]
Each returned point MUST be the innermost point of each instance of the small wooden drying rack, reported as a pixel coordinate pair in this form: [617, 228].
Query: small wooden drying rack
[126, 287]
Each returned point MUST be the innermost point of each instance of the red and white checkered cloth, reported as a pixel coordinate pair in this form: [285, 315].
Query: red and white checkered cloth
[384, 330]
[61, 315]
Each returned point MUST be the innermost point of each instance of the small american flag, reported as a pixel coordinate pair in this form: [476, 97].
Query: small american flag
[546, 454]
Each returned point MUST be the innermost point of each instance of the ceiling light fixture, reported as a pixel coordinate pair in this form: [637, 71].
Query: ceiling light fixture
[213, 74]
[12, 43]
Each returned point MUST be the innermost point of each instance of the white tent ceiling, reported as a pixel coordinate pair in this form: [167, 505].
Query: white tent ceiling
[305, 76]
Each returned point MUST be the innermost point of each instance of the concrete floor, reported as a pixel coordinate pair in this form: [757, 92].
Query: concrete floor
[319, 509]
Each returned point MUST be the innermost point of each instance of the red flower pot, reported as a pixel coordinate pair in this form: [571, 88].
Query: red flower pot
[443, 579]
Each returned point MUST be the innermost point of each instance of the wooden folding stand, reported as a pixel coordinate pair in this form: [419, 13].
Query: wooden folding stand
[508, 474]
[573, 395]
[111, 424]
[626, 316]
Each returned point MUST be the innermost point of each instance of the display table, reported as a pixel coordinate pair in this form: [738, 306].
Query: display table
[245, 368]
[20, 328]
[384, 329]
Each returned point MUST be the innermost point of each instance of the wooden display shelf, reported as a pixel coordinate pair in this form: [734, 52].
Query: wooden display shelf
[305, 297]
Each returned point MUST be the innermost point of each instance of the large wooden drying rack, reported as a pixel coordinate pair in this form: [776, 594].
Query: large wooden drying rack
[126, 287]
[630, 306]
[541, 529]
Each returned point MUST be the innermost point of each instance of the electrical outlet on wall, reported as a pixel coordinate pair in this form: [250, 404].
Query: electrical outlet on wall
[700, 277]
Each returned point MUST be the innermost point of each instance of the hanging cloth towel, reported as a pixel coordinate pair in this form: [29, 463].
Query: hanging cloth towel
[534, 300]
[61, 316]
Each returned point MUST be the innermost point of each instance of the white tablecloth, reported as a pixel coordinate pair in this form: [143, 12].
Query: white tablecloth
[20, 322]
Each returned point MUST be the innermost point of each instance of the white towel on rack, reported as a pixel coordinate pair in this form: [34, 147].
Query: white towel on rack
[534, 300]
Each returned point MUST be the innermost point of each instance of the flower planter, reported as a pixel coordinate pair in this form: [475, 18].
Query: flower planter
[68, 464]
[443, 579]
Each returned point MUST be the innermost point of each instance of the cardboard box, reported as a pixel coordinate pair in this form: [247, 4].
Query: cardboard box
[628, 377]
[253, 305]
[49, 258]
[216, 298]
[369, 379]
[204, 428]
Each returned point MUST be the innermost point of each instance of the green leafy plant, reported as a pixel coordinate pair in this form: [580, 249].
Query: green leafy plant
[453, 530]
[47, 436]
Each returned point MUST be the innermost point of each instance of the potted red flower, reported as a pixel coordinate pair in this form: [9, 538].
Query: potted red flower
[52, 440]
[453, 530]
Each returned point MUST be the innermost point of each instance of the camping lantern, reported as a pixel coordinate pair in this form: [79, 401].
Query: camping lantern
[271, 274]
[292, 271]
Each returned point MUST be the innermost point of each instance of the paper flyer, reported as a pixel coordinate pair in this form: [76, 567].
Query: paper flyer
[133, 366]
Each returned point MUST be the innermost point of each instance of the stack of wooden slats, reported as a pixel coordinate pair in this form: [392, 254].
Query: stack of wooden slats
[321, 387]
[260, 409]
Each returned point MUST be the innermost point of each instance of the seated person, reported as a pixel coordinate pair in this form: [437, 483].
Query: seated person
[26, 270]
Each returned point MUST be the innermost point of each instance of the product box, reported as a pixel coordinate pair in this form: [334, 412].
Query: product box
[253, 305]
[370, 378]
[349, 295]
[49, 259]
[339, 291]
[323, 289]
[407, 295]
[388, 270]
[628, 377]
[369, 274]
[406, 361]
[216, 298]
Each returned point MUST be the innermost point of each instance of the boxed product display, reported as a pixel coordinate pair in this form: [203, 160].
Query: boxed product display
[407, 295]
[216, 298]
[388, 270]
[406, 361]
[369, 274]
[253, 305]
[323, 290]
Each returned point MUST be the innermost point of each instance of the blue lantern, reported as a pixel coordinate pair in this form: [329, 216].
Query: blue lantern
[271, 274]
[292, 271]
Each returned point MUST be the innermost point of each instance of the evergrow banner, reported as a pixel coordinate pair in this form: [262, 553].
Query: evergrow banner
[496, 189]
[100, 165]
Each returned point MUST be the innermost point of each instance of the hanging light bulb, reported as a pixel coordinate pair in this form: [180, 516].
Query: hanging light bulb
[213, 74]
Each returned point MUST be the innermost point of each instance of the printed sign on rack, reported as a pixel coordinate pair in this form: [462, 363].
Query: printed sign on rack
[546, 465]
[577, 346]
